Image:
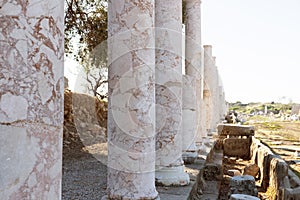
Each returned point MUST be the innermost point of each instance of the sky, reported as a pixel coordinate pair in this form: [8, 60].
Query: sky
[257, 47]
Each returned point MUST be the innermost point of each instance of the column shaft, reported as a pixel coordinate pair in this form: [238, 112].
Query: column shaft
[194, 66]
[31, 99]
[209, 88]
[212, 88]
[131, 114]
[168, 22]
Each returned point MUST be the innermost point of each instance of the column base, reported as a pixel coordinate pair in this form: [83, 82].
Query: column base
[106, 198]
[172, 176]
[190, 153]
[205, 148]
[189, 157]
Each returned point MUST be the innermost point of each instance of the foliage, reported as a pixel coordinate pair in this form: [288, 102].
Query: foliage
[85, 38]
[86, 23]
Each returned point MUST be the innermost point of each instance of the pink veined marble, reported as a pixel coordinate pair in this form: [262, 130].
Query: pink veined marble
[31, 98]
[131, 116]
[209, 86]
[194, 64]
[168, 76]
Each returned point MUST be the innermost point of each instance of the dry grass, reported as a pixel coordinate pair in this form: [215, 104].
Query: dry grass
[279, 134]
[271, 193]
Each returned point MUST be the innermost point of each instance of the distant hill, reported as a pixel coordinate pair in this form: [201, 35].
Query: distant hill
[265, 108]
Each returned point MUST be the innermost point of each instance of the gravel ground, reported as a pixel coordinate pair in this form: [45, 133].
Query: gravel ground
[84, 177]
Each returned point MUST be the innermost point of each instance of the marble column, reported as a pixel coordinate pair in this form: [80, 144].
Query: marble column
[222, 101]
[211, 89]
[202, 135]
[189, 119]
[208, 108]
[31, 98]
[208, 105]
[131, 109]
[168, 73]
[194, 63]
[208, 83]
[216, 97]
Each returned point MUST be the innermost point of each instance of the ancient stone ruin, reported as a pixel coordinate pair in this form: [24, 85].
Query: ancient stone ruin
[155, 112]
[263, 171]
[159, 118]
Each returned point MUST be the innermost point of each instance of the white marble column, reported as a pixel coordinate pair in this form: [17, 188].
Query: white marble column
[131, 114]
[222, 101]
[168, 73]
[208, 85]
[216, 97]
[31, 99]
[194, 63]
[208, 108]
[211, 89]
[189, 119]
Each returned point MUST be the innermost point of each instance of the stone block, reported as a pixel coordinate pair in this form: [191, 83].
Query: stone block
[243, 185]
[211, 187]
[294, 179]
[278, 171]
[263, 161]
[235, 130]
[237, 147]
[255, 144]
[252, 170]
[242, 197]
[212, 172]
[290, 194]
[286, 182]
[219, 144]
[234, 172]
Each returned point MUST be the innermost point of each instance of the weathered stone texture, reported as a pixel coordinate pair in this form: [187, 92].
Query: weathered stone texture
[189, 118]
[242, 197]
[252, 170]
[131, 109]
[237, 147]
[243, 185]
[290, 194]
[31, 98]
[168, 97]
[278, 171]
[194, 66]
[235, 130]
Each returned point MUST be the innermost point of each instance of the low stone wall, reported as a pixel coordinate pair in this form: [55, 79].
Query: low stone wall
[274, 172]
[236, 139]
[85, 120]
[210, 176]
[239, 141]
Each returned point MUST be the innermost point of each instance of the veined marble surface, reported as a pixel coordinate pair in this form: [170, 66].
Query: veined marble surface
[31, 98]
[194, 59]
[168, 76]
[131, 116]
